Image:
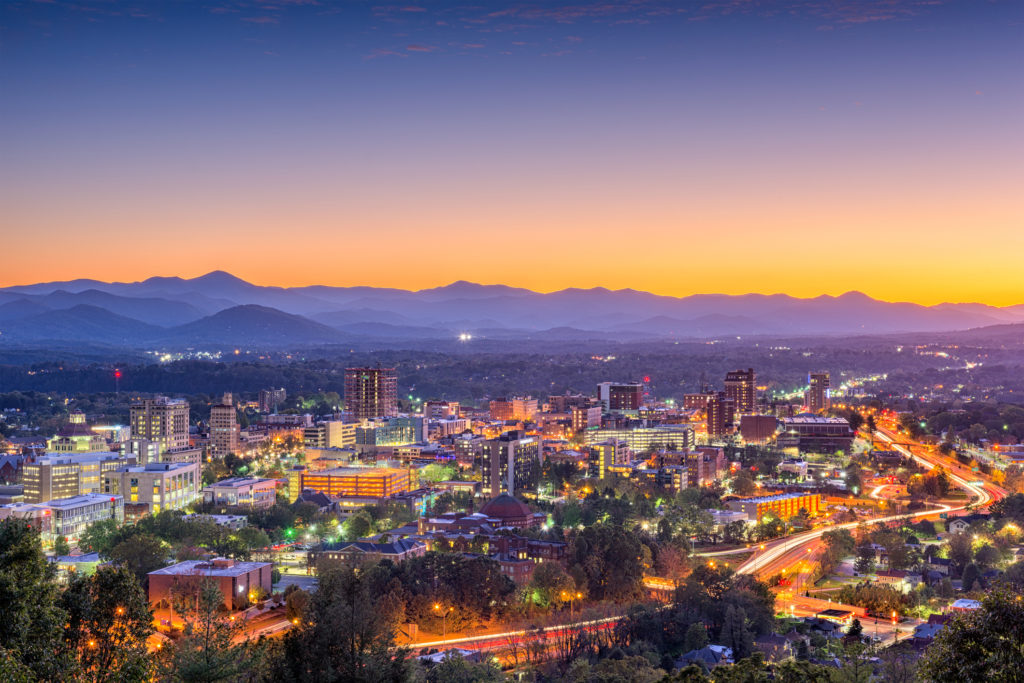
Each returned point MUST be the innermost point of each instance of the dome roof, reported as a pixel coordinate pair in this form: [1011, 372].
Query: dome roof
[505, 506]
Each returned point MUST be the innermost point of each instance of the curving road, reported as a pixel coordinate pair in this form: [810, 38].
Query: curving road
[789, 552]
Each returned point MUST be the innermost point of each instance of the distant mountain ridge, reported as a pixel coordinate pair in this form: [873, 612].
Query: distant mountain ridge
[221, 309]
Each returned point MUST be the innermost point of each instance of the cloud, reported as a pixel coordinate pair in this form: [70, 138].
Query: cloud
[260, 20]
[420, 48]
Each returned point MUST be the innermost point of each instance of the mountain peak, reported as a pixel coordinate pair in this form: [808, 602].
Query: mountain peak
[220, 277]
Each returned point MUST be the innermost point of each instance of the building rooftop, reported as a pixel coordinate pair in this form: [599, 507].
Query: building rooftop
[84, 499]
[238, 482]
[361, 472]
[963, 603]
[815, 419]
[772, 499]
[216, 567]
[77, 458]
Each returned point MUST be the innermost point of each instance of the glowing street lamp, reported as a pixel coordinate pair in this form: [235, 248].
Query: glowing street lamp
[444, 620]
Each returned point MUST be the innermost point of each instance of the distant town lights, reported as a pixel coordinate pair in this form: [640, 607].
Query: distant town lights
[465, 336]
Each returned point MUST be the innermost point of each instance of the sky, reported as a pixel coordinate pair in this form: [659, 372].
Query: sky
[807, 147]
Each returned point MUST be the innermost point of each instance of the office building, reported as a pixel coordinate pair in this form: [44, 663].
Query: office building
[161, 419]
[157, 486]
[270, 399]
[721, 412]
[244, 492]
[705, 466]
[332, 434]
[782, 506]
[585, 417]
[615, 397]
[607, 454]
[371, 392]
[740, 387]
[393, 431]
[64, 476]
[758, 428]
[440, 410]
[369, 482]
[224, 428]
[71, 516]
[76, 437]
[355, 554]
[815, 433]
[697, 401]
[645, 439]
[510, 463]
[818, 398]
[513, 408]
[240, 583]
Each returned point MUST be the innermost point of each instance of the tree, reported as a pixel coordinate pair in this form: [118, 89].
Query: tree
[108, 622]
[548, 584]
[696, 637]
[743, 483]
[207, 651]
[31, 623]
[987, 556]
[855, 630]
[455, 669]
[348, 635]
[865, 563]
[735, 633]
[61, 546]
[979, 646]
[960, 550]
[141, 553]
[98, 537]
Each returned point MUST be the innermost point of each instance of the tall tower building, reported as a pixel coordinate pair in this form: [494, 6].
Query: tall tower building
[223, 427]
[270, 399]
[739, 386]
[510, 463]
[818, 398]
[721, 412]
[161, 419]
[620, 397]
[371, 392]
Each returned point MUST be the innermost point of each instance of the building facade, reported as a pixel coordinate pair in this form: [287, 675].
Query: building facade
[819, 392]
[161, 419]
[371, 392]
[159, 486]
[615, 397]
[246, 492]
[740, 387]
[510, 463]
[224, 428]
[63, 476]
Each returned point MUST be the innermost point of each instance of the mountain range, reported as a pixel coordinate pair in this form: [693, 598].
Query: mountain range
[219, 309]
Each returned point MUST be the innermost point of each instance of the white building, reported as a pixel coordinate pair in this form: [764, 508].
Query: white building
[159, 485]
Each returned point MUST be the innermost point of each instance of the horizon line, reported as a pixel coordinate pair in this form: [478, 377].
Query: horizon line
[219, 271]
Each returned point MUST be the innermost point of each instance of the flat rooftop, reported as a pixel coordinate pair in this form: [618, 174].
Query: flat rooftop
[772, 499]
[361, 472]
[207, 568]
[236, 482]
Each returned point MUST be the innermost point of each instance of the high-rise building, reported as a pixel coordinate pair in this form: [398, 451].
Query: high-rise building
[270, 399]
[818, 398]
[371, 392]
[620, 397]
[721, 412]
[161, 419]
[510, 463]
[223, 427]
[606, 454]
[739, 386]
[696, 401]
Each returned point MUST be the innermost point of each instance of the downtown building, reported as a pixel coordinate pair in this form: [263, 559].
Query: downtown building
[270, 399]
[510, 463]
[162, 420]
[644, 439]
[616, 397]
[63, 476]
[740, 387]
[224, 429]
[154, 487]
[76, 437]
[371, 392]
[818, 398]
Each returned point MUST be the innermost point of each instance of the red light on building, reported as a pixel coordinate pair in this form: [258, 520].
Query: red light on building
[117, 374]
[647, 379]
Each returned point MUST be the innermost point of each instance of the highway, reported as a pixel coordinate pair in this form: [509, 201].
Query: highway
[784, 554]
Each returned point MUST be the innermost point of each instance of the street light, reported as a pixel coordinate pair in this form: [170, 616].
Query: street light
[444, 620]
[571, 597]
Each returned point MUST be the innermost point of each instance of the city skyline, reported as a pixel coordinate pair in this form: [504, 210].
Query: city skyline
[728, 147]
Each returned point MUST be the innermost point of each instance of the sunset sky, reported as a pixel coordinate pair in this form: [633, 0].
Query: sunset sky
[676, 147]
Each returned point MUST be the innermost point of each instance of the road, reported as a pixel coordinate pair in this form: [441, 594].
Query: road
[786, 553]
